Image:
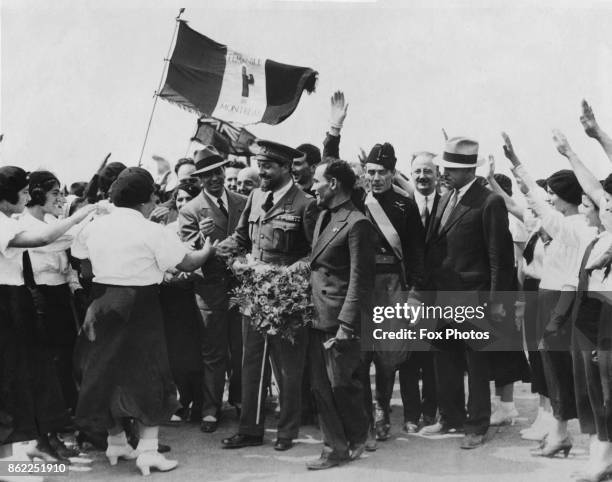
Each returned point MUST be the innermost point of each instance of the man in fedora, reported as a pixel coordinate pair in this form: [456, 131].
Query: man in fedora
[469, 252]
[276, 226]
[215, 213]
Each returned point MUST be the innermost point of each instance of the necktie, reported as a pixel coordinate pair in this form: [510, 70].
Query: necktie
[452, 202]
[425, 213]
[269, 202]
[530, 247]
[222, 206]
[28, 272]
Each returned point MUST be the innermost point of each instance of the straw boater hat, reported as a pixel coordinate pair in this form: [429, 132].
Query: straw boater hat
[460, 152]
[207, 159]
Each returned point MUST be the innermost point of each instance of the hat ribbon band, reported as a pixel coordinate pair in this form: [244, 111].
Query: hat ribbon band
[460, 158]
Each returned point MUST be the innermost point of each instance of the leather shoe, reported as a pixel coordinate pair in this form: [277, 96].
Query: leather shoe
[326, 461]
[439, 428]
[382, 431]
[208, 426]
[471, 441]
[240, 440]
[283, 444]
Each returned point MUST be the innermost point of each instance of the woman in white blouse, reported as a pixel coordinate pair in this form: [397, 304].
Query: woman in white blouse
[51, 275]
[123, 359]
[31, 403]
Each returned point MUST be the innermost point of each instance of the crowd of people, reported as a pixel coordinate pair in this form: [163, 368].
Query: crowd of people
[116, 311]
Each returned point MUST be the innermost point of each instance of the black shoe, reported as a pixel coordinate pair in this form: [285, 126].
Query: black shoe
[382, 431]
[283, 444]
[208, 426]
[471, 441]
[96, 441]
[240, 440]
[60, 447]
[327, 461]
[162, 448]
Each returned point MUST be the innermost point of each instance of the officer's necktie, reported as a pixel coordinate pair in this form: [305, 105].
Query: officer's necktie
[222, 206]
[452, 202]
[269, 202]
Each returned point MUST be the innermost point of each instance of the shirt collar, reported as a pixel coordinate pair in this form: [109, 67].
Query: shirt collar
[129, 212]
[421, 199]
[462, 190]
[277, 195]
[214, 198]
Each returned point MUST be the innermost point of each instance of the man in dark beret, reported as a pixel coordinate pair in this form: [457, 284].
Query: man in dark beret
[399, 266]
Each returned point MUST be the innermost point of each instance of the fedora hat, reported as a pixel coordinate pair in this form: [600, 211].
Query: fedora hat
[460, 152]
[207, 159]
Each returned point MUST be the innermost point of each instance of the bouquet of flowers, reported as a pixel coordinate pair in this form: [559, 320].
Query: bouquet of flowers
[277, 299]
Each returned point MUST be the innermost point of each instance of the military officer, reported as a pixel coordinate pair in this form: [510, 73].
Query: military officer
[276, 226]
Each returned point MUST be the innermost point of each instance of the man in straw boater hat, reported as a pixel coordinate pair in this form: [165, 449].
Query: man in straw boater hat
[276, 226]
[469, 252]
[213, 213]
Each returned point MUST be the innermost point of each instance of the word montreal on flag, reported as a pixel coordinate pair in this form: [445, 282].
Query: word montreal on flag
[213, 80]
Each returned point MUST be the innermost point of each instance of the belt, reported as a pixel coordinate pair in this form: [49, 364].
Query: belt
[386, 259]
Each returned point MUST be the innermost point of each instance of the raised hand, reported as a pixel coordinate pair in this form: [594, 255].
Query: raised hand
[587, 119]
[363, 157]
[561, 143]
[338, 109]
[490, 167]
[444, 134]
[509, 150]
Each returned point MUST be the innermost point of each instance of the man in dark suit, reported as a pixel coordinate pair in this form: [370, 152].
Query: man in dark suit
[276, 226]
[399, 266]
[420, 364]
[214, 213]
[469, 251]
[343, 267]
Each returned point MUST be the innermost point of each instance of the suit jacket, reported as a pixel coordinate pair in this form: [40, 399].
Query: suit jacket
[474, 250]
[202, 206]
[283, 234]
[343, 269]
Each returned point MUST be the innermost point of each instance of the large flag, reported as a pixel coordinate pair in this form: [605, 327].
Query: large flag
[213, 80]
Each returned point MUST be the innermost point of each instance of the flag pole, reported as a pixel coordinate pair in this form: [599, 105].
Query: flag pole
[156, 94]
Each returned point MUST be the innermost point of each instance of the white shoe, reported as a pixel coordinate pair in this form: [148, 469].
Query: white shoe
[116, 452]
[504, 414]
[154, 460]
[539, 429]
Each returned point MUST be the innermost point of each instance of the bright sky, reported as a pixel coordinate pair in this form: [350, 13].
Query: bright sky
[78, 76]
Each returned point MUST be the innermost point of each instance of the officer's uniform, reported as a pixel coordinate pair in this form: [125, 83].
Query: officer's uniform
[280, 235]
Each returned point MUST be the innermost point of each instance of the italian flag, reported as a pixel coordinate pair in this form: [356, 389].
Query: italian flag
[211, 79]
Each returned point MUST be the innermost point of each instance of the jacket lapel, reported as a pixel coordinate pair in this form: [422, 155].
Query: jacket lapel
[233, 212]
[434, 223]
[462, 207]
[335, 225]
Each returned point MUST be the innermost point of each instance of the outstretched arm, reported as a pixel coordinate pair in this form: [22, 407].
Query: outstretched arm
[511, 204]
[592, 129]
[589, 183]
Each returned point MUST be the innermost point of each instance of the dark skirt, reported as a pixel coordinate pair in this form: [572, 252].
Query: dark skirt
[183, 339]
[556, 357]
[508, 367]
[593, 367]
[122, 361]
[31, 402]
[60, 335]
[532, 336]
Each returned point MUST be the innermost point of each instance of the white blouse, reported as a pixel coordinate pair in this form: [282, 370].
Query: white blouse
[50, 262]
[11, 270]
[126, 249]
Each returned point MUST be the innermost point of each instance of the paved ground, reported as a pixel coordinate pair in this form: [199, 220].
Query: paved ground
[505, 457]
